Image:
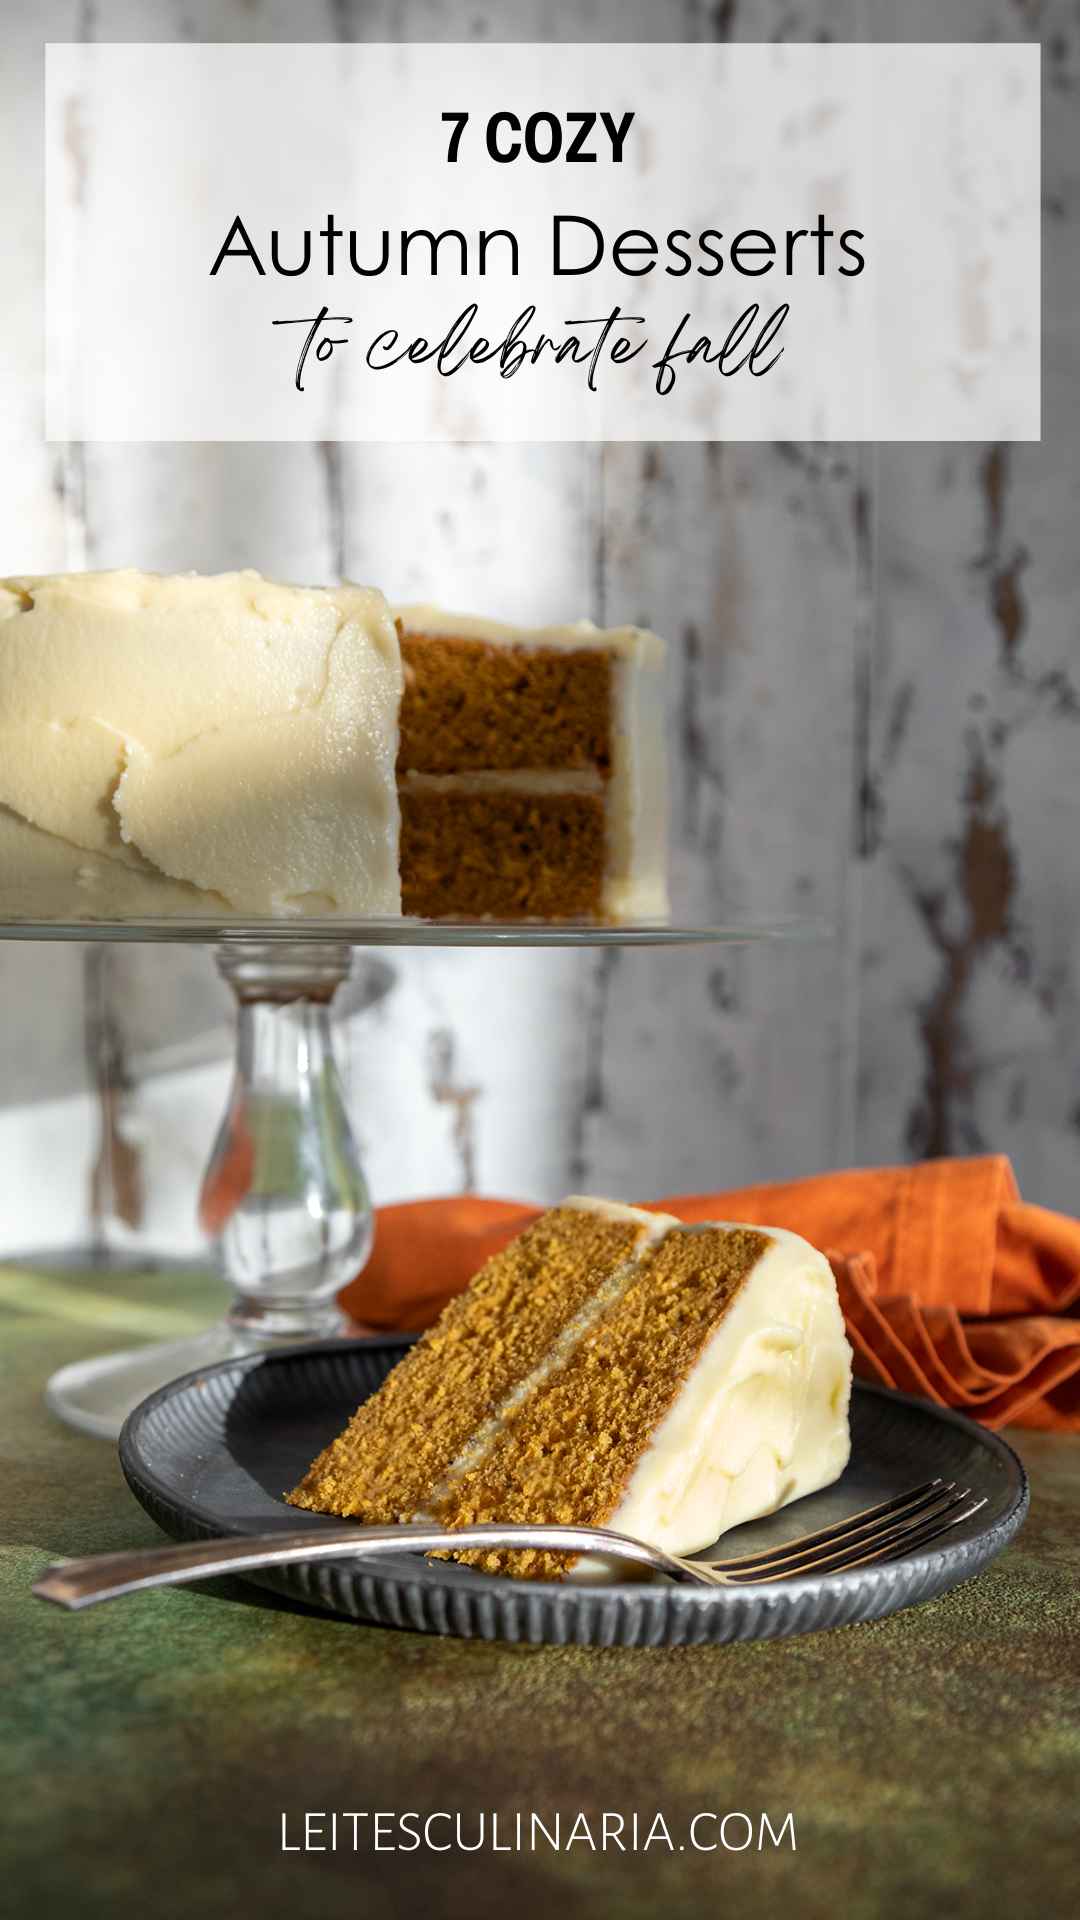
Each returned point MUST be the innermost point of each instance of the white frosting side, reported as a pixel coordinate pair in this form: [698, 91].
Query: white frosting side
[45, 878]
[636, 884]
[762, 1418]
[227, 733]
[636, 881]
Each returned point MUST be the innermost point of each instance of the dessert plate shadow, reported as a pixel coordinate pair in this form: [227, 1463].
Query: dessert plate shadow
[213, 1452]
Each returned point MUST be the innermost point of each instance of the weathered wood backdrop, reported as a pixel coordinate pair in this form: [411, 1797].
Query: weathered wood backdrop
[875, 708]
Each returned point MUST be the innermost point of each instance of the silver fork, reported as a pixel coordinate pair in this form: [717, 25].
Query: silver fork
[909, 1521]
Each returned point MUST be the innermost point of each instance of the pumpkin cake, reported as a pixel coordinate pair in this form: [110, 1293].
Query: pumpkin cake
[610, 1367]
[186, 745]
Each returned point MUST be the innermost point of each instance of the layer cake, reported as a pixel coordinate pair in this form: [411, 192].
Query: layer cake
[610, 1367]
[227, 745]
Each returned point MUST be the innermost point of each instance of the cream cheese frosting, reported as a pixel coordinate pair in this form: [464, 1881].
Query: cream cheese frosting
[761, 1419]
[226, 741]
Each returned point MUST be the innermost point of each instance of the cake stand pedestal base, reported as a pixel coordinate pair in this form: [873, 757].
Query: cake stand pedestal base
[284, 1201]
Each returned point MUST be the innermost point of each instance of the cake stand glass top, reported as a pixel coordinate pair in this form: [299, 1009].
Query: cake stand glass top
[405, 932]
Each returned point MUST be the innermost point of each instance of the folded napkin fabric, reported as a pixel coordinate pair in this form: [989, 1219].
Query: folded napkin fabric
[952, 1287]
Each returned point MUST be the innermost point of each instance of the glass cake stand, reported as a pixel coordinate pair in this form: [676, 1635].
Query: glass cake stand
[284, 1202]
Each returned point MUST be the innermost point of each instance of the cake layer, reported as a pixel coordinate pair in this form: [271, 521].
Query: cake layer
[502, 852]
[694, 1378]
[401, 1443]
[224, 732]
[471, 706]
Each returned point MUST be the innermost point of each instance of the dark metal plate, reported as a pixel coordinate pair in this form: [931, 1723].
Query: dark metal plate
[213, 1453]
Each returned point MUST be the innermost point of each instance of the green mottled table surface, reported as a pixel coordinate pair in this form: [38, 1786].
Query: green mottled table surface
[931, 1762]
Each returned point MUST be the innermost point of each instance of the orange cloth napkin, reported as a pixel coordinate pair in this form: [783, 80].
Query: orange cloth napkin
[952, 1286]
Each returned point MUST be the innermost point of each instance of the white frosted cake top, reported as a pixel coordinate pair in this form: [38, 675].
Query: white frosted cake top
[574, 636]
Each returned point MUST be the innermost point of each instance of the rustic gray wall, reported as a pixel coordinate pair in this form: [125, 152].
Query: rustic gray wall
[875, 711]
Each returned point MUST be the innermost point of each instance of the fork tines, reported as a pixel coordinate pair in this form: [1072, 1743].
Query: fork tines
[896, 1526]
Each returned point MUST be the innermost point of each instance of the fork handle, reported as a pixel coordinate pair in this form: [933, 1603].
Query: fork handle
[105, 1576]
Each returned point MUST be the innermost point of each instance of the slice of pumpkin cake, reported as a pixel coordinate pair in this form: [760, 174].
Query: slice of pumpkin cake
[611, 1367]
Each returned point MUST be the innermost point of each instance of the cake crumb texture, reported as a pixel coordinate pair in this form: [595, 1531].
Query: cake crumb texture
[470, 706]
[506, 855]
[400, 1444]
[567, 1453]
